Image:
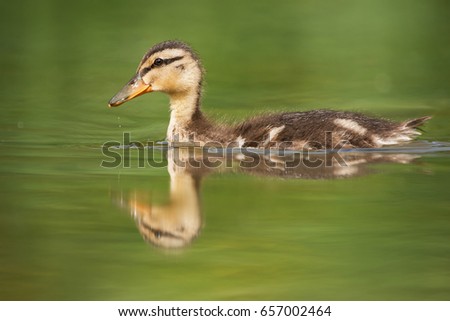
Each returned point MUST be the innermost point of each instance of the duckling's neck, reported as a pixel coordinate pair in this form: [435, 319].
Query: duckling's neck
[184, 114]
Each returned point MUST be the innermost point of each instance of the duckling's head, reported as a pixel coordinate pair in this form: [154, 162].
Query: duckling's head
[171, 67]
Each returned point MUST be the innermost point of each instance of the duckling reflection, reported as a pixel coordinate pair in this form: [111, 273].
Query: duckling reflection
[172, 225]
[177, 223]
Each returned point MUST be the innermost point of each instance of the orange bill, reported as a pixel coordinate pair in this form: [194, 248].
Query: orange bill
[135, 87]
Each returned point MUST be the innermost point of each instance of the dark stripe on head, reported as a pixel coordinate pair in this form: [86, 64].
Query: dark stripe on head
[160, 233]
[170, 44]
[165, 62]
[170, 60]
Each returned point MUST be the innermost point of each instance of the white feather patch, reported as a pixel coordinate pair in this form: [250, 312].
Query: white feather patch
[391, 140]
[350, 125]
[273, 133]
[240, 141]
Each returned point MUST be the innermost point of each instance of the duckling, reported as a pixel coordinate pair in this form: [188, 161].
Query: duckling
[174, 68]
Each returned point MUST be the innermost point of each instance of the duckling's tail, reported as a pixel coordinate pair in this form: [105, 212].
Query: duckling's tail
[409, 129]
[415, 123]
[402, 133]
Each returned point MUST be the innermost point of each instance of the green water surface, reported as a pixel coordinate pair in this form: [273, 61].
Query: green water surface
[384, 235]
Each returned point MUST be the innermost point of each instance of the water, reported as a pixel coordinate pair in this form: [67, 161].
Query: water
[377, 229]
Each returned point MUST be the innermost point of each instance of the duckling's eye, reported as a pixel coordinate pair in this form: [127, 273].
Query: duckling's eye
[158, 62]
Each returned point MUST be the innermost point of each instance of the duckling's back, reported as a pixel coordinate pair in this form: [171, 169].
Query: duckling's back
[320, 129]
